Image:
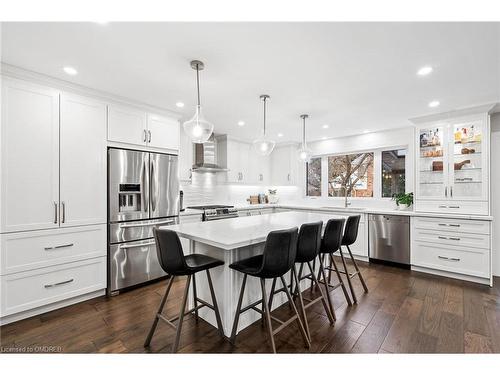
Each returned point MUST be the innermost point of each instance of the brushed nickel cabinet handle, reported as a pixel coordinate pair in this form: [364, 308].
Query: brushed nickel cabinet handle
[450, 259]
[451, 191]
[63, 216]
[453, 206]
[59, 283]
[145, 136]
[442, 238]
[149, 134]
[55, 212]
[454, 238]
[58, 247]
[449, 225]
[446, 191]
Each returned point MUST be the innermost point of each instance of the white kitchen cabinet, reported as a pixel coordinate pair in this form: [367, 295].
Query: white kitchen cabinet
[453, 165]
[30, 156]
[259, 169]
[82, 161]
[284, 165]
[186, 152]
[235, 156]
[163, 132]
[127, 125]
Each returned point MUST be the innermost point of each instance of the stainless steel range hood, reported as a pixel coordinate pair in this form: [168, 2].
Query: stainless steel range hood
[205, 157]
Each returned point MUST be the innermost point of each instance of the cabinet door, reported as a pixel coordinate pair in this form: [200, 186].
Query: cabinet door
[432, 162]
[30, 157]
[186, 152]
[127, 125]
[245, 159]
[468, 162]
[163, 132]
[280, 159]
[233, 158]
[83, 161]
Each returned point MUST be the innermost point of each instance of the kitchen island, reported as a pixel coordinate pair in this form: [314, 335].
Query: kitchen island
[231, 240]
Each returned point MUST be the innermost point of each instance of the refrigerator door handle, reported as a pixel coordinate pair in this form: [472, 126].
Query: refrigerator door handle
[153, 187]
[145, 187]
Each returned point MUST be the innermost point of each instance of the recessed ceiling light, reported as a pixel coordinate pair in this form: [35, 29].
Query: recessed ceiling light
[323, 138]
[241, 123]
[70, 70]
[423, 71]
[366, 131]
[326, 126]
[280, 135]
[434, 104]
[179, 104]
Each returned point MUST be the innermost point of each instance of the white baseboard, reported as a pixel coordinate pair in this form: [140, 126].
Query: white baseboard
[452, 275]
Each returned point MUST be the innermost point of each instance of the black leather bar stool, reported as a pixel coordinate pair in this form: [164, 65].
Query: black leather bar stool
[278, 258]
[308, 247]
[332, 238]
[173, 262]
[350, 236]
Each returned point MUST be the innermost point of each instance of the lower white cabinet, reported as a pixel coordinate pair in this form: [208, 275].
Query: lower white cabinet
[28, 290]
[459, 248]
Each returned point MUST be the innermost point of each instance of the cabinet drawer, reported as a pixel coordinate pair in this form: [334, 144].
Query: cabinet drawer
[28, 290]
[452, 225]
[473, 262]
[454, 207]
[30, 250]
[480, 241]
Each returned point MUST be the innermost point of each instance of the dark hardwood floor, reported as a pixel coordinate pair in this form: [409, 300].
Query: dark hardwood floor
[404, 312]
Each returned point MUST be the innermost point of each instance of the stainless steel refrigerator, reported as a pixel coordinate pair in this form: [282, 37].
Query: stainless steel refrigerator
[143, 192]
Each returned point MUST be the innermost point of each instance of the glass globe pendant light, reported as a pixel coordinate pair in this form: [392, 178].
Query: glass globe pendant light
[198, 129]
[304, 153]
[263, 145]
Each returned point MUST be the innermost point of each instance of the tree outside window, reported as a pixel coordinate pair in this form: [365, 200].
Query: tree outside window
[350, 175]
[314, 178]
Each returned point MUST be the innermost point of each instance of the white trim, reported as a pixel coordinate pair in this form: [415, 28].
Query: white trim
[474, 279]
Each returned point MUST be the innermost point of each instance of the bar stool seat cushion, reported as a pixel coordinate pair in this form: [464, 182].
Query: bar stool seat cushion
[250, 266]
[200, 262]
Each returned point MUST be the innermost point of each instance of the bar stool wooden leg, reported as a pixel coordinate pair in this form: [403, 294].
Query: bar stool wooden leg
[238, 309]
[267, 314]
[271, 296]
[323, 298]
[301, 304]
[216, 307]
[298, 277]
[175, 346]
[344, 289]
[327, 292]
[299, 322]
[353, 293]
[357, 270]
[312, 282]
[160, 309]
[195, 298]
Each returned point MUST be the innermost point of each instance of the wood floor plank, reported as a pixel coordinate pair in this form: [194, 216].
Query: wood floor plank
[450, 334]
[474, 314]
[375, 333]
[345, 338]
[475, 343]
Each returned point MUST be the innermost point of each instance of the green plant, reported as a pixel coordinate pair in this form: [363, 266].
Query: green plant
[403, 198]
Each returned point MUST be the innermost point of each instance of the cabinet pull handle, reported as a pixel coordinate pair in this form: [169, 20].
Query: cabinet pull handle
[288, 176]
[63, 216]
[443, 206]
[451, 191]
[58, 247]
[453, 206]
[55, 212]
[137, 245]
[450, 259]
[442, 238]
[149, 134]
[449, 225]
[449, 238]
[145, 136]
[446, 191]
[59, 283]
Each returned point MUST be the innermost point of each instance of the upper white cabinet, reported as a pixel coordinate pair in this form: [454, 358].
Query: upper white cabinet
[284, 165]
[234, 155]
[163, 132]
[30, 157]
[127, 125]
[453, 165]
[53, 159]
[135, 127]
[83, 161]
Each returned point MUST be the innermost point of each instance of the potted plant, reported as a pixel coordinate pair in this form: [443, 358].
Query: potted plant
[403, 200]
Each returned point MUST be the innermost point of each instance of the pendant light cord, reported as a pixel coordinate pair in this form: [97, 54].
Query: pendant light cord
[265, 116]
[198, 82]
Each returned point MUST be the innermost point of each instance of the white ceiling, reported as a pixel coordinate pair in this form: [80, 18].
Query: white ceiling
[353, 76]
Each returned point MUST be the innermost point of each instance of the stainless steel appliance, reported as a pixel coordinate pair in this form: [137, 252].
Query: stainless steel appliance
[389, 239]
[143, 192]
[216, 212]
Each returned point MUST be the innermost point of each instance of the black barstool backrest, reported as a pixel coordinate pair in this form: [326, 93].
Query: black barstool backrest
[279, 253]
[332, 237]
[309, 241]
[351, 230]
[169, 251]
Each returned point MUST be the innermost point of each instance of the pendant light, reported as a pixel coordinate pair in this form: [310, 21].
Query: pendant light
[198, 129]
[263, 145]
[304, 153]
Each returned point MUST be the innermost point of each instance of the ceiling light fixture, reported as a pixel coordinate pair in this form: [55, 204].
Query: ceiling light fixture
[366, 131]
[304, 153]
[425, 71]
[70, 70]
[198, 128]
[280, 135]
[326, 126]
[241, 123]
[434, 104]
[179, 104]
[263, 145]
[323, 138]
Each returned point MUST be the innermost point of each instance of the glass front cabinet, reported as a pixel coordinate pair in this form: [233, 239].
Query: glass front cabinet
[452, 165]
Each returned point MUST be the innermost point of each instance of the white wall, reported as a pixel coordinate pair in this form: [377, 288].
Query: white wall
[389, 139]
[495, 190]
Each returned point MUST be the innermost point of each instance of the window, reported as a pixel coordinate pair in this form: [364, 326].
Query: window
[351, 174]
[314, 178]
[393, 172]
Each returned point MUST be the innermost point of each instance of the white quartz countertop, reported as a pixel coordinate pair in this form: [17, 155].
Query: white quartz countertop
[243, 231]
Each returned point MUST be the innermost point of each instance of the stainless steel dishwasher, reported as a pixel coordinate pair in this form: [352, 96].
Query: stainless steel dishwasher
[389, 239]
